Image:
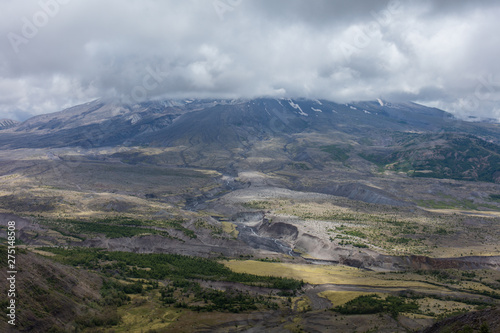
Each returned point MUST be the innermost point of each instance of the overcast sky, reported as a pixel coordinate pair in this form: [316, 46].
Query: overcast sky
[58, 53]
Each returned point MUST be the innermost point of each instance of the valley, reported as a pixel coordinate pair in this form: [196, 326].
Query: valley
[258, 216]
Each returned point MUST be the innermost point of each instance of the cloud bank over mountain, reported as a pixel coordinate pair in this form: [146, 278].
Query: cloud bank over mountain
[57, 53]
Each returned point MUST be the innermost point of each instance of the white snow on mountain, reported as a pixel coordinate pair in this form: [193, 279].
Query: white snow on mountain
[297, 107]
[7, 123]
[135, 118]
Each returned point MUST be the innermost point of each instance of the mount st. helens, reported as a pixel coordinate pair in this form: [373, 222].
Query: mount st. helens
[407, 137]
[369, 197]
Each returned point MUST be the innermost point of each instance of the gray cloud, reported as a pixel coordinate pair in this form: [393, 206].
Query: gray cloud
[55, 53]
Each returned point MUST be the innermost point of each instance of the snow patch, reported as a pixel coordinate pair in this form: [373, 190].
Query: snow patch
[380, 102]
[353, 108]
[318, 101]
[317, 110]
[134, 119]
[367, 112]
[116, 111]
[297, 107]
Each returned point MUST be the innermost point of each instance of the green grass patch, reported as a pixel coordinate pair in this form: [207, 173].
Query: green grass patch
[355, 233]
[258, 204]
[400, 240]
[111, 231]
[336, 153]
[449, 204]
[116, 227]
[371, 304]
[165, 266]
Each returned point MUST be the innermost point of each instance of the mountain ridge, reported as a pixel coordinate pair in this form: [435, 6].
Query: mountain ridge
[309, 133]
[8, 123]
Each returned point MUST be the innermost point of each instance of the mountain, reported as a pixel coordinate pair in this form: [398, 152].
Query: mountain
[403, 137]
[8, 123]
[165, 123]
[290, 188]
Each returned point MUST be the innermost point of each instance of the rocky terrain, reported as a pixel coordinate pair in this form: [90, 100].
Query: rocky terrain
[395, 199]
[482, 321]
[51, 296]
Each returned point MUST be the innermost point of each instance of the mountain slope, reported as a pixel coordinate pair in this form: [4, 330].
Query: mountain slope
[308, 133]
[451, 155]
[8, 123]
[51, 297]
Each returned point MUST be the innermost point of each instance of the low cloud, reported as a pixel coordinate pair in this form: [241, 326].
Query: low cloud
[57, 53]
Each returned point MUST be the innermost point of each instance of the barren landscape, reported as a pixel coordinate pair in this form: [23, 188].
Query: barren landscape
[288, 231]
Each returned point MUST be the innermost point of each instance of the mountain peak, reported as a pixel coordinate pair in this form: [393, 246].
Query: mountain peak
[8, 123]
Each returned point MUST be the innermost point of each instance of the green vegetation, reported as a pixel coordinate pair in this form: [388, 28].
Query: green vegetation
[111, 231]
[216, 231]
[177, 225]
[55, 299]
[441, 231]
[355, 233]
[336, 153]
[208, 300]
[258, 204]
[128, 273]
[266, 259]
[381, 160]
[370, 304]
[3, 257]
[113, 295]
[481, 286]
[164, 266]
[300, 166]
[462, 157]
[116, 227]
[107, 317]
[399, 240]
[495, 197]
[449, 204]
[380, 229]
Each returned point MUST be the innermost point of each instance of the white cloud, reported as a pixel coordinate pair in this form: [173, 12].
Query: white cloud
[435, 52]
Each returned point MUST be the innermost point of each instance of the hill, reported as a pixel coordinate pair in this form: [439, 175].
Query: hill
[52, 297]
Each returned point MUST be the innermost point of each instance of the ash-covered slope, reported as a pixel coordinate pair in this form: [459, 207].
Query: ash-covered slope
[262, 118]
[299, 131]
[101, 123]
